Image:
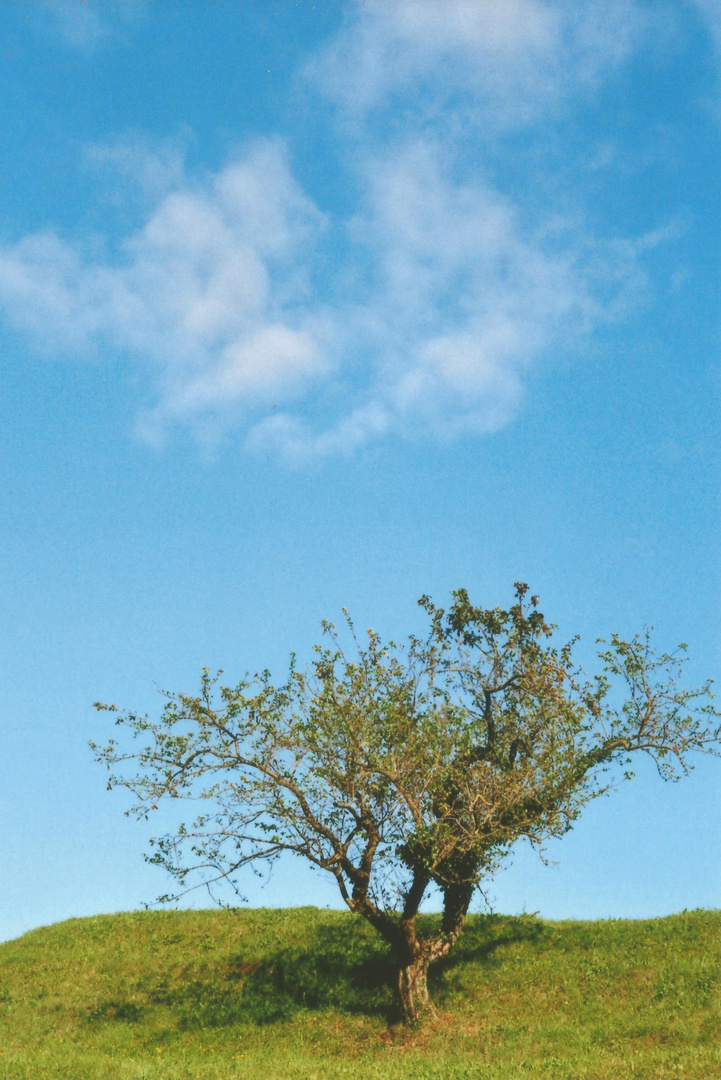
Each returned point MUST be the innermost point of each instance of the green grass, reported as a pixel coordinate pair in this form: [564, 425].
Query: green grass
[306, 994]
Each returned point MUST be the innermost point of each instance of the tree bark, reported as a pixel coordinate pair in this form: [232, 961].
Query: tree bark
[413, 990]
[416, 955]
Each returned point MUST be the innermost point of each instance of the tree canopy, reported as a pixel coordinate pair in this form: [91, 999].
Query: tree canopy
[399, 769]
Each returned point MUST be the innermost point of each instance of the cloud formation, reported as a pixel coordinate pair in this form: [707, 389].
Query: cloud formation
[209, 290]
[88, 26]
[452, 299]
[441, 291]
[514, 59]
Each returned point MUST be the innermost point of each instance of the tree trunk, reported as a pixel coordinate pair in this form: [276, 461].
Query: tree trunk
[413, 990]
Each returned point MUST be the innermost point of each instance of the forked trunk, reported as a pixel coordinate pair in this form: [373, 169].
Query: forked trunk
[413, 990]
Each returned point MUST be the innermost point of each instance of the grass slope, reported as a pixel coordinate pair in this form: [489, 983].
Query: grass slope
[305, 994]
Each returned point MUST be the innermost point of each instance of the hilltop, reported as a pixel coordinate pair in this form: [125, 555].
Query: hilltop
[304, 993]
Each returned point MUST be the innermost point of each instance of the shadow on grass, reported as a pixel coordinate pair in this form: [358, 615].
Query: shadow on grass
[344, 967]
[126, 1011]
[485, 934]
[480, 941]
[337, 967]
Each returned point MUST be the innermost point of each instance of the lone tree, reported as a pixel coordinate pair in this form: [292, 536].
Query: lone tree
[402, 769]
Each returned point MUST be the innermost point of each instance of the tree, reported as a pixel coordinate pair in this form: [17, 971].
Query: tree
[398, 770]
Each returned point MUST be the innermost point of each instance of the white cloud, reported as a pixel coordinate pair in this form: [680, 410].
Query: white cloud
[130, 165]
[87, 25]
[514, 58]
[208, 290]
[273, 360]
[463, 298]
[298, 444]
[221, 290]
[444, 290]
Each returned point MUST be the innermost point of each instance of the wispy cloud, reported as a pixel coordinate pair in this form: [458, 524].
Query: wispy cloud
[211, 289]
[443, 290]
[131, 165]
[453, 297]
[87, 24]
[514, 59]
[461, 296]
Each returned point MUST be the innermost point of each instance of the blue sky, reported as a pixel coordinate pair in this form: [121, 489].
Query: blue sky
[305, 306]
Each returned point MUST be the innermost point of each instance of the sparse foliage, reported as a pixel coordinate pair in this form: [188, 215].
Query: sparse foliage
[397, 770]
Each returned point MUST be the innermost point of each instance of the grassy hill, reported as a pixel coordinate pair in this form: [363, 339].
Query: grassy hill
[305, 994]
